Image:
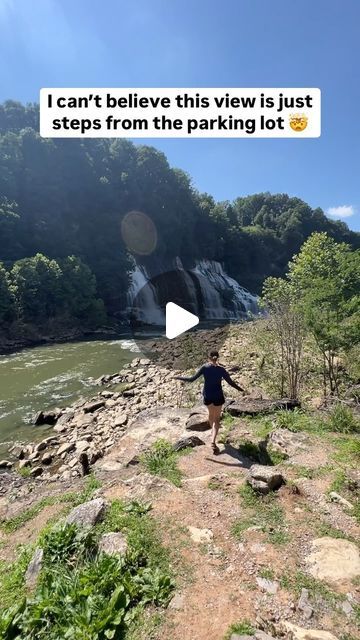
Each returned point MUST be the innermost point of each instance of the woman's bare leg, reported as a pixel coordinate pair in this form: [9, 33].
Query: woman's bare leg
[211, 420]
[216, 425]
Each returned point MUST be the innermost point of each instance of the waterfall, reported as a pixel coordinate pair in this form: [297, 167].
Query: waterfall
[206, 289]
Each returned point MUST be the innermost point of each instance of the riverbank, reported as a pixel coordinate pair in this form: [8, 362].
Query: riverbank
[12, 345]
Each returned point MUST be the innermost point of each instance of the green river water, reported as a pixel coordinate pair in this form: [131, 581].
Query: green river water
[53, 376]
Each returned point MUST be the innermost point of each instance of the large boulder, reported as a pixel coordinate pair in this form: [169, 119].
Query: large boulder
[264, 479]
[46, 417]
[88, 513]
[253, 407]
[333, 560]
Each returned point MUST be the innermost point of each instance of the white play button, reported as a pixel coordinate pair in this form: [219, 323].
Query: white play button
[178, 320]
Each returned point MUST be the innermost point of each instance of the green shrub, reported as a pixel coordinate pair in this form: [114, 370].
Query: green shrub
[342, 420]
[84, 595]
[161, 460]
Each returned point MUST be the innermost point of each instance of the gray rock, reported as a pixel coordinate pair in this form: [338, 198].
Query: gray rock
[82, 445]
[121, 420]
[253, 407]
[24, 463]
[5, 464]
[66, 448]
[198, 420]
[87, 514]
[264, 479]
[46, 417]
[114, 544]
[270, 586]
[34, 568]
[36, 472]
[185, 443]
[47, 458]
[304, 604]
[90, 407]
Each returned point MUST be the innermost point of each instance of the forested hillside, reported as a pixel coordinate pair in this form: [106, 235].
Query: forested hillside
[64, 262]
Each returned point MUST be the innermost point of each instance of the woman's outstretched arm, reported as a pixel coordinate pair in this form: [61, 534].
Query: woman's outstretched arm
[231, 382]
[191, 378]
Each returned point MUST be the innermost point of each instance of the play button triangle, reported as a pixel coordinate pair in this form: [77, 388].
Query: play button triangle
[178, 320]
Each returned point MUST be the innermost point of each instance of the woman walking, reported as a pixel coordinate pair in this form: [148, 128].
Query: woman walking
[214, 399]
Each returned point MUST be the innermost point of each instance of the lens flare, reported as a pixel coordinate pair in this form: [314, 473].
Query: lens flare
[139, 233]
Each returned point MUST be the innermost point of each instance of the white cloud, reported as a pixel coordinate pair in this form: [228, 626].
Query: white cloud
[344, 211]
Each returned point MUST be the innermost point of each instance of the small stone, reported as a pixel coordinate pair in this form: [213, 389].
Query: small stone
[347, 608]
[121, 420]
[5, 464]
[36, 472]
[47, 458]
[264, 478]
[335, 497]
[87, 514]
[34, 568]
[82, 445]
[177, 602]
[190, 442]
[269, 586]
[304, 604]
[200, 535]
[93, 406]
[113, 544]
[66, 448]
[24, 463]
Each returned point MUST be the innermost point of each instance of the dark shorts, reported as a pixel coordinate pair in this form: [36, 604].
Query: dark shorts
[217, 402]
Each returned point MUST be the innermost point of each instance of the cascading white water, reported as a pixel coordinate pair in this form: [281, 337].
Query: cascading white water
[222, 297]
[146, 307]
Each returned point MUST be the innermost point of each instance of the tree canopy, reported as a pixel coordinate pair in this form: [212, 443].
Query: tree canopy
[62, 198]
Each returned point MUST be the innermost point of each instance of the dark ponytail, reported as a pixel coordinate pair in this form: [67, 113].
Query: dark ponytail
[214, 356]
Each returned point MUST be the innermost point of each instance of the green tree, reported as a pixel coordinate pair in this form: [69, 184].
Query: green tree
[7, 299]
[287, 326]
[325, 276]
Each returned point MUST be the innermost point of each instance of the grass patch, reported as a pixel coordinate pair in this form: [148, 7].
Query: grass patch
[262, 425]
[214, 484]
[347, 450]
[266, 514]
[342, 420]
[81, 593]
[317, 589]
[12, 585]
[161, 460]
[243, 628]
[73, 499]
[297, 420]
[267, 573]
[11, 525]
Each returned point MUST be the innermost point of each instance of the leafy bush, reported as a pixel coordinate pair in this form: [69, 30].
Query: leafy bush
[343, 420]
[84, 595]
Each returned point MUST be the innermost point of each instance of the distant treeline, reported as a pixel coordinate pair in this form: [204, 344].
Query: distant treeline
[65, 199]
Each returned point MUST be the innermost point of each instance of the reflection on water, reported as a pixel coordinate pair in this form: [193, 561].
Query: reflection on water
[53, 375]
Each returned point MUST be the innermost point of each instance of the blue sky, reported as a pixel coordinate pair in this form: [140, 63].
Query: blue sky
[204, 43]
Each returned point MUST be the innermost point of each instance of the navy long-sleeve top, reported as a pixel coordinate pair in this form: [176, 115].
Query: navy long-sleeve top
[213, 376]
